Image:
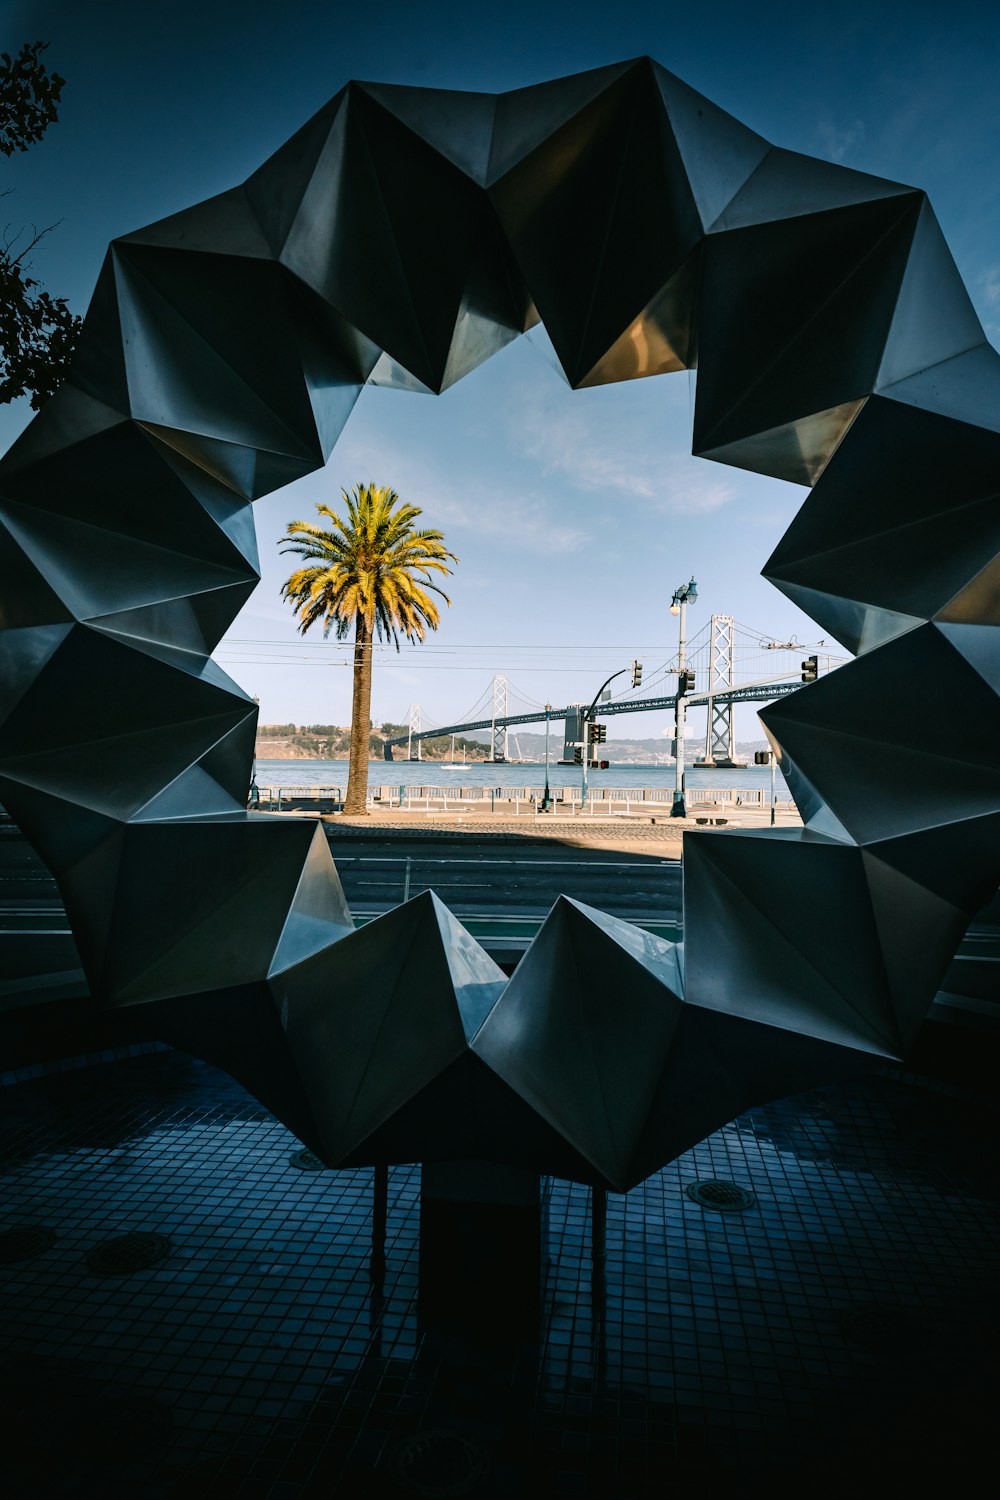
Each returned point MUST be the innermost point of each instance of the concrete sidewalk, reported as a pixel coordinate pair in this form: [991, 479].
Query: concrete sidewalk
[659, 833]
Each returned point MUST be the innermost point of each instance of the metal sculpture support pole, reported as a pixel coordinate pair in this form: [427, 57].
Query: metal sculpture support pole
[380, 1216]
[598, 1228]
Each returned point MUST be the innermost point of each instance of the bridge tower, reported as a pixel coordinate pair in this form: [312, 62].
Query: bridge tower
[413, 719]
[720, 748]
[498, 732]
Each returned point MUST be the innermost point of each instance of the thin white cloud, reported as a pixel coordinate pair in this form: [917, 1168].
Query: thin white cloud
[566, 443]
[838, 141]
[510, 518]
[990, 284]
[632, 460]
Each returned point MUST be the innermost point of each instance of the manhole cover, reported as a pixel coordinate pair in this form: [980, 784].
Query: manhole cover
[127, 1253]
[25, 1243]
[727, 1197]
[876, 1327]
[307, 1161]
[440, 1463]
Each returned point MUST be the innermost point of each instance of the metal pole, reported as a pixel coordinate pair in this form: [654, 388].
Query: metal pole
[679, 809]
[547, 799]
[586, 757]
[772, 788]
[588, 714]
[380, 1214]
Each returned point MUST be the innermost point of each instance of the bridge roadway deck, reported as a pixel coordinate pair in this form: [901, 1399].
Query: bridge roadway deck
[750, 694]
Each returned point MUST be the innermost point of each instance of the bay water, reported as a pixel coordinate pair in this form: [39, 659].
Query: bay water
[429, 773]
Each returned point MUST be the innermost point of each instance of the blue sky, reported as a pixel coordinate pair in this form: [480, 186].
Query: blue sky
[574, 514]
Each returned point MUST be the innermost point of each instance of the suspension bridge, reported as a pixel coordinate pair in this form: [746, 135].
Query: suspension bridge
[735, 663]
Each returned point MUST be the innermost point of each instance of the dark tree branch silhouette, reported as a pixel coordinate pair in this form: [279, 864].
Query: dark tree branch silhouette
[38, 333]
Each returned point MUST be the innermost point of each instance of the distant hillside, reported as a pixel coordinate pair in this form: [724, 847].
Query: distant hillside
[531, 746]
[333, 742]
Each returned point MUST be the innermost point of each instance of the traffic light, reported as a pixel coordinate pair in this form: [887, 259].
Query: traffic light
[578, 756]
[598, 733]
[685, 684]
[762, 757]
[810, 669]
[636, 673]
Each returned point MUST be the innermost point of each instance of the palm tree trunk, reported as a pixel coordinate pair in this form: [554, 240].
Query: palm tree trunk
[356, 802]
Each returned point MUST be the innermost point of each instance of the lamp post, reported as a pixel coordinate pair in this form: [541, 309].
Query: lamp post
[547, 799]
[588, 718]
[683, 596]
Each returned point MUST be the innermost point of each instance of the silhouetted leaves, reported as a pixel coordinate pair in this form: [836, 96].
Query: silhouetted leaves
[29, 98]
[38, 333]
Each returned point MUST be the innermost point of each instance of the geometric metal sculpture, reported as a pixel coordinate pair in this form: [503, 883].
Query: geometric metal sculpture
[401, 237]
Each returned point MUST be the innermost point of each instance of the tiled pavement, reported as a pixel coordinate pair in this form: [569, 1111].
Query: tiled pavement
[836, 1338]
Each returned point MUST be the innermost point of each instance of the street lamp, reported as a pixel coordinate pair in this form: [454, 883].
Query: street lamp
[683, 596]
[547, 799]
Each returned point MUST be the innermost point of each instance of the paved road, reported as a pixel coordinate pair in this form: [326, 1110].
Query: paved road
[502, 891]
[504, 881]
[514, 880]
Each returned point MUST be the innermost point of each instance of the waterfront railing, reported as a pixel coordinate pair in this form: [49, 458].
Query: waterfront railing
[600, 799]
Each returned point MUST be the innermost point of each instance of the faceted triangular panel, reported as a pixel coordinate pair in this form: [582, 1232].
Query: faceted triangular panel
[965, 388]
[958, 861]
[317, 907]
[195, 623]
[719, 154]
[359, 274]
[978, 603]
[976, 644]
[793, 326]
[177, 376]
[127, 725]
[99, 367]
[457, 126]
[526, 119]
[918, 934]
[755, 945]
[69, 418]
[934, 318]
[26, 599]
[203, 905]
[277, 190]
[124, 479]
[895, 529]
[721, 1065]
[583, 1029]
[570, 208]
[224, 225]
[659, 340]
[797, 451]
[417, 188]
[787, 185]
[870, 721]
[131, 587]
[374, 1020]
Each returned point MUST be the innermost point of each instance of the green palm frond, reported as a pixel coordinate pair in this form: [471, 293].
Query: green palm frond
[369, 561]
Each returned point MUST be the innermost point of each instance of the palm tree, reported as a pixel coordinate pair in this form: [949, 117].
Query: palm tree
[373, 571]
